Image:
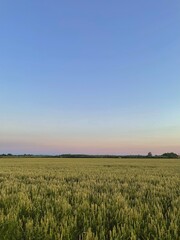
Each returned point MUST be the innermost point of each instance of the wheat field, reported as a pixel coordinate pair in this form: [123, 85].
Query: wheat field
[89, 199]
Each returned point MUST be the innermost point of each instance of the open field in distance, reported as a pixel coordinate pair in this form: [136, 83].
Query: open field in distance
[89, 199]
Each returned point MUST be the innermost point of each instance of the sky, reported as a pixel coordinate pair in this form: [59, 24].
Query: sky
[95, 77]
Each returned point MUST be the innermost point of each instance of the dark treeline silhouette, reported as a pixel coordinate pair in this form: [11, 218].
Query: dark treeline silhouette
[149, 155]
[169, 155]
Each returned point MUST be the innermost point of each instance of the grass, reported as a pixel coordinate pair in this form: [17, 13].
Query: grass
[89, 199]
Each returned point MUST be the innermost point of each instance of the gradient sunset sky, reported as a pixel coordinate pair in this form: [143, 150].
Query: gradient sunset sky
[100, 77]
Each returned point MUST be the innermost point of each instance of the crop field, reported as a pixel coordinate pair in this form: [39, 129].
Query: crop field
[89, 199]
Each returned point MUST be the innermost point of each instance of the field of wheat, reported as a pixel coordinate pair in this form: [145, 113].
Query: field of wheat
[89, 199]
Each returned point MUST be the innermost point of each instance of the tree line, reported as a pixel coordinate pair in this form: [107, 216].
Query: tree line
[149, 155]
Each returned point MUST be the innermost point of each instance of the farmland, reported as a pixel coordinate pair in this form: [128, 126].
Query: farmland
[89, 199]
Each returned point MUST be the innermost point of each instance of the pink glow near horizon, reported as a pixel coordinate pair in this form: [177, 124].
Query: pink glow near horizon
[87, 147]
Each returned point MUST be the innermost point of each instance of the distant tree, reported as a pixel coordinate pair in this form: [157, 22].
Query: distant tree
[150, 154]
[169, 155]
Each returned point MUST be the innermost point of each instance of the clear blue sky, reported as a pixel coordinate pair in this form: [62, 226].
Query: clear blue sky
[89, 76]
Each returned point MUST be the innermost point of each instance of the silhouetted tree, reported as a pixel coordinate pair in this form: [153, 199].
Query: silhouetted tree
[169, 155]
[150, 154]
